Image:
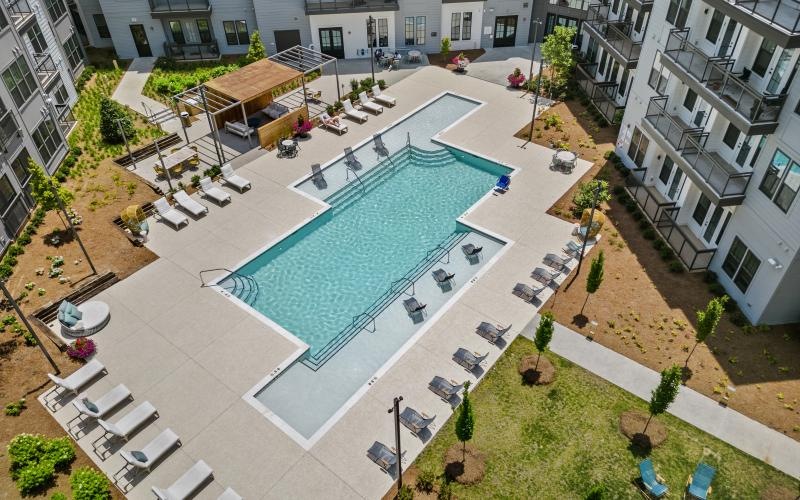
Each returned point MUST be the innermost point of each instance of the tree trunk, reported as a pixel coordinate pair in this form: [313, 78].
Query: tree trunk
[536, 366]
[584, 303]
[463, 452]
[647, 423]
[690, 354]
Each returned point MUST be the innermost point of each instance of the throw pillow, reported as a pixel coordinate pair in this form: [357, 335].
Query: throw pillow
[73, 311]
[89, 405]
[69, 320]
[63, 306]
[138, 455]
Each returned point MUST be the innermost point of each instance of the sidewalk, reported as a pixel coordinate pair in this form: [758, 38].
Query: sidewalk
[730, 426]
[129, 91]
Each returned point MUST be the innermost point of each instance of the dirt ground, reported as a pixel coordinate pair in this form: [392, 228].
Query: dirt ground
[437, 59]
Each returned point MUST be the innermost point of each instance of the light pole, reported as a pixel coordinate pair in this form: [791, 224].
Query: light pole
[28, 326]
[163, 166]
[536, 23]
[536, 96]
[124, 138]
[585, 236]
[371, 37]
[396, 410]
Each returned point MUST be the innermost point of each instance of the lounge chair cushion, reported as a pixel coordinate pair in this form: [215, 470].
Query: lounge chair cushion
[89, 405]
[68, 319]
[138, 455]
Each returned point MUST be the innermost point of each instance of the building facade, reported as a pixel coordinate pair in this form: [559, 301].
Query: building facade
[200, 29]
[710, 132]
[40, 56]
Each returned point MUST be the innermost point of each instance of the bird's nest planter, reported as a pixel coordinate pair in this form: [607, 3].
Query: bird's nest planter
[532, 374]
[464, 467]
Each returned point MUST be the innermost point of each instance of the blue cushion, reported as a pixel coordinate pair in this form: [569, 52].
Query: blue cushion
[138, 455]
[61, 315]
[63, 306]
[69, 320]
[89, 405]
[73, 311]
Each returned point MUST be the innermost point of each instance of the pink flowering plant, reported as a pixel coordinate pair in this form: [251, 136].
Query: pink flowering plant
[302, 127]
[459, 58]
[82, 348]
[516, 79]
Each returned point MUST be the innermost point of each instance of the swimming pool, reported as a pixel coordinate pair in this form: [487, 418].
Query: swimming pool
[342, 277]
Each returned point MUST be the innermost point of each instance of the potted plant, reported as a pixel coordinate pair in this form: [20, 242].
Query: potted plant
[302, 127]
[82, 348]
[460, 62]
[516, 79]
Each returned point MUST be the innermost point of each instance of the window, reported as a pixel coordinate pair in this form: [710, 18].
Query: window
[781, 180]
[55, 8]
[3, 21]
[36, 38]
[101, 25]
[204, 30]
[601, 69]
[701, 209]
[731, 136]
[615, 7]
[623, 83]
[455, 26]
[10, 137]
[46, 139]
[177, 32]
[677, 12]
[715, 26]
[657, 80]
[7, 193]
[466, 29]
[19, 81]
[20, 167]
[73, 50]
[638, 147]
[420, 39]
[58, 91]
[666, 170]
[236, 32]
[763, 57]
[383, 32]
[740, 265]
[690, 99]
[637, 26]
[409, 31]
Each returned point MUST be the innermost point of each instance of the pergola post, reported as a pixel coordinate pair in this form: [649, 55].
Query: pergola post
[214, 137]
[244, 120]
[338, 88]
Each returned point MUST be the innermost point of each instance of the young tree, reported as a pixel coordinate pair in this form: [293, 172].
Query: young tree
[256, 52]
[445, 48]
[44, 189]
[707, 321]
[544, 332]
[465, 424]
[663, 395]
[557, 51]
[595, 278]
[112, 115]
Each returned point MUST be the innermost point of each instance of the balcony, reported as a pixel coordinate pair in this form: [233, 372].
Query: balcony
[601, 94]
[342, 7]
[45, 68]
[20, 12]
[192, 51]
[572, 4]
[778, 20]
[614, 36]
[751, 111]
[169, 8]
[717, 178]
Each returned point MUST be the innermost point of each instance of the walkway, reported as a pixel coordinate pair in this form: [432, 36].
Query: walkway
[751, 437]
[129, 91]
[496, 64]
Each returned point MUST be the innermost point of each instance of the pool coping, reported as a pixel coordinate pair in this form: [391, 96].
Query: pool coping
[250, 395]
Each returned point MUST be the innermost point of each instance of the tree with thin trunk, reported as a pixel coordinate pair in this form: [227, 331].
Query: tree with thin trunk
[465, 424]
[46, 191]
[256, 52]
[544, 332]
[557, 51]
[595, 277]
[707, 321]
[663, 395]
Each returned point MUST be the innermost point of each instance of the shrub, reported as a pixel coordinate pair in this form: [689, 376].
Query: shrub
[24, 239]
[330, 109]
[596, 493]
[658, 244]
[644, 224]
[585, 196]
[256, 52]
[666, 253]
[34, 459]
[618, 190]
[89, 484]
[338, 105]
[444, 49]
[425, 480]
[552, 120]
[405, 493]
[730, 306]
[35, 477]
[110, 112]
[14, 408]
[382, 84]
[58, 496]
[445, 490]
[649, 233]
[630, 205]
[354, 84]
[15, 250]
[637, 215]
[195, 180]
[6, 270]
[675, 267]
[82, 348]
[86, 75]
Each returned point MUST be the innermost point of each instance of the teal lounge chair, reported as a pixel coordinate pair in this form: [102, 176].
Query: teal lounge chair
[699, 483]
[653, 484]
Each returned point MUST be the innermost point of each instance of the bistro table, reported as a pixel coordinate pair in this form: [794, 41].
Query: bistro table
[414, 55]
[564, 160]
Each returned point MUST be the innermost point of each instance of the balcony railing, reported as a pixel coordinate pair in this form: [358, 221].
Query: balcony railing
[689, 142]
[572, 4]
[332, 7]
[782, 13]
[10, 137]
[179, 6]
[192, 51]
[20, 12]
[613, 33]
[601, 94]
[45, 68]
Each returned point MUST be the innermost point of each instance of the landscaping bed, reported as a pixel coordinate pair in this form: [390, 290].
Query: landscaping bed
[443, 61]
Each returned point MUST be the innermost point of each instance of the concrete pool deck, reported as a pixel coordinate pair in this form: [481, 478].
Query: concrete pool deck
[194, 354]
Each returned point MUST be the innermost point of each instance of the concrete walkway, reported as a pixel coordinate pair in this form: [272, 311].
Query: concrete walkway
[730, 426]
[496, 64]
[129, 91]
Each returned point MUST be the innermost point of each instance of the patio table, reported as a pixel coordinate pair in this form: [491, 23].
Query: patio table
[566, 156]
[177, 158]
[414, 55]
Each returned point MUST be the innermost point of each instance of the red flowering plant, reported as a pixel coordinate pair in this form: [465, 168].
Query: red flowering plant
[82, 348]
[302, 127]
[516, 79]
[459, 58]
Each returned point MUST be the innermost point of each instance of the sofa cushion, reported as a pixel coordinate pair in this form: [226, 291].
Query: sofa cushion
[70, 320]
[89, 405]
[73, 311]
[275, 110]
[63, 306]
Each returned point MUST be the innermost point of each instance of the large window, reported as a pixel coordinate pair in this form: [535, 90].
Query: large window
[763, 57]
[383, 32]
[55, 8]
[781, 180]
[236, 32]
[19, 81]
[409, 31]
[58, 91]
[638, 147]
[36, 38]
[73, 51]
[101, 25]
[690, 100]
[7, 193]
[466, 27]
[715, 26]
[420, 37]
[455, 26]
[20, 167]
[731, 136]
[203, 30]
[740, 265]
[658, 80]
[46, 139]
[177, 32]
[677, 12]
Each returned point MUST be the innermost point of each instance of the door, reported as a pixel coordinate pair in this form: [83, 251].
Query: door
[713, 223]
[140, 40]
[505, 31]
[286, 39]
[674, 190]
[725, 47]
[331, 42]
[779, 71]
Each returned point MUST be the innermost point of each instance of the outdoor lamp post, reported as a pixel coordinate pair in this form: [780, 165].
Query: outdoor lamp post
[124, 138]
[538, 83]
[396, 410]
[161, 159]
[371, 38]
[536, 23]
[585, 236]
[28, 326]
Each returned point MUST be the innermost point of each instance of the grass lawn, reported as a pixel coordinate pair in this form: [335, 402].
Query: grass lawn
[559, 441]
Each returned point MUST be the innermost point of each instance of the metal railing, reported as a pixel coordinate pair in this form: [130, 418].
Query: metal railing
[601, 94]
[192, 51]
[783, 13]
[572, 4]
[179, 5]
[328, 6]
[45, 68]
[19, 10]
[617, 34]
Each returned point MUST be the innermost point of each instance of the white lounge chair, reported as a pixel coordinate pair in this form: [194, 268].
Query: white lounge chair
[381, 97]
[333, 124]
[145, 458]
[81, 377]
[91, 317]
[369, 105]
[129, 423]
[169, 214]
[239, 128]
[108, 401]
[187, 203]
[353, 113]
[237, 181]
[211, 191]
[185, 485]
[229, 494]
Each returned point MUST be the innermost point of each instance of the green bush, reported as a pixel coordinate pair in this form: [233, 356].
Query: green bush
[86, 75]
[716, 289]
[24, 239]
[675, 267]
[6, 270]
[34, 459]
[658, 244]
[596, 493]
[637, 215]
[353, 84]
[425, 480]
[382, 84]
[89, 484]
[195, 180]
[649, 233]
[58, 496]
[14, 408]
[666, 253]
[35, 477]
[15, 250]
[610, 155]
[110, 112]
[585, 196]
[445, 490]
[405, 493]
[644, 224]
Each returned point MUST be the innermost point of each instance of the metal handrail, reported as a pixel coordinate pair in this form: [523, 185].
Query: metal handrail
[413, 287]
[347, 176]
[436, 249]
[249, 279]
[370, 316]
[770, 17]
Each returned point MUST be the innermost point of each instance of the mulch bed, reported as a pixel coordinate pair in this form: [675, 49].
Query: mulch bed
[532, 374]
[464, 467]
[631, 424]
[443, 61]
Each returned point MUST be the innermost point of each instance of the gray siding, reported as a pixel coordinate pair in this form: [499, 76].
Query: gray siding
[87, 9]
[234, 10]
[495, 8]
[120, 15]
[273, 15]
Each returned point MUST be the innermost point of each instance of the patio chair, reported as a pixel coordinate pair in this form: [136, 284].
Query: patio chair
[653, 483]
[334, 124]
[190, 205]
[230, 177]
[239, 128]
[544, 276]
[468, 359]
[229, 494]
[525, 292]
[134, 419]
[353, 113]
[471, 252]
[350, 160]
[415, 422]
[491, 332]
[209, 190]
[443, 388]
[442, 277]
[83, 320]
[159, 170]
[381, 97]
[382, 455]
[413, 307]
[169, 214]
[188, 483]
[556, 262]
[104, 404]
[572, 249]
[317, 178]
[145, 458]
[79, 378]
[503, 183]
[379, 146]
[369, 105]
[699, 484]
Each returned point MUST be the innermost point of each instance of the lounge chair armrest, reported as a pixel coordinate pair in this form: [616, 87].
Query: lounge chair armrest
[660, 479]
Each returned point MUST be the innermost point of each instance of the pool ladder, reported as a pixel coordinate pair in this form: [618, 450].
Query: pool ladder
[347, 176]
[245, 288]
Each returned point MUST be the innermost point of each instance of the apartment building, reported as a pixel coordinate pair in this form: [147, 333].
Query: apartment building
[710, 132]
[202, 29]
[40, 55]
